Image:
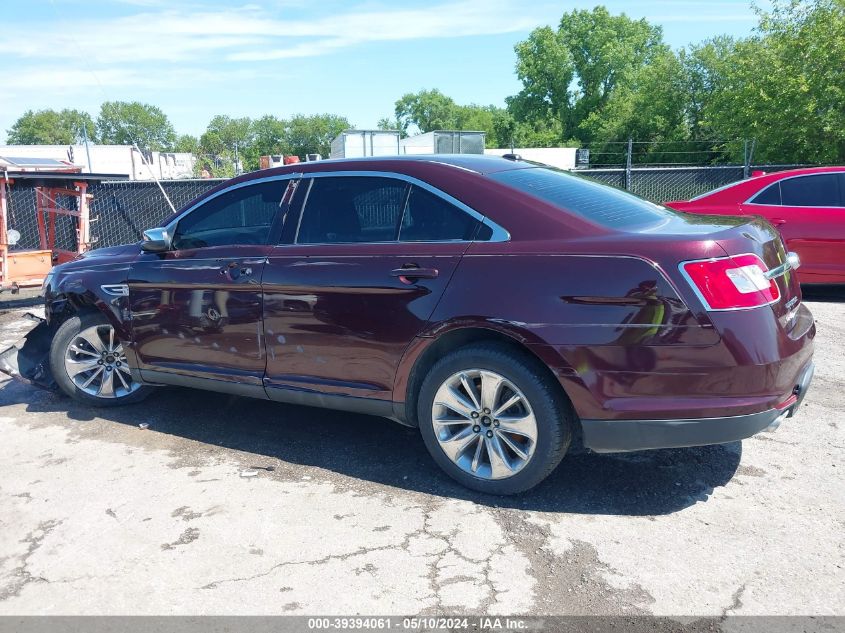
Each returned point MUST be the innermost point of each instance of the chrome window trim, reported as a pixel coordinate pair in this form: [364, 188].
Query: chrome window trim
[499, 234]
[802, 206]
[171, 226]
[704, 301]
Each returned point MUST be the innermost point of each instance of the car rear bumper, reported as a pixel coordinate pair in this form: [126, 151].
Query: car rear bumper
[619, 436]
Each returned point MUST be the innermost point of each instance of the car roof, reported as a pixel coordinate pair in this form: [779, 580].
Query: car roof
[478, 163]
[441, 170]
[800, 172]
[773, 176]
[750, 186]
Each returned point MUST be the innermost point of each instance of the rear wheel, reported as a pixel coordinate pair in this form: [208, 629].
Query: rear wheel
[492, 421]
[89, 364]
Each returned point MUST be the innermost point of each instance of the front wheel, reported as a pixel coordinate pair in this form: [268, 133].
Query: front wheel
[89, 364]
[491, 419]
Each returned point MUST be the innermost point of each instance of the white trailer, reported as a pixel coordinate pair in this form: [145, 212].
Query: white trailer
[444, 142]
[361, 143]
[560, 157]
[112, 159]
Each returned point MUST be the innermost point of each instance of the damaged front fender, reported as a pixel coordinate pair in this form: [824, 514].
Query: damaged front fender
[30, 362]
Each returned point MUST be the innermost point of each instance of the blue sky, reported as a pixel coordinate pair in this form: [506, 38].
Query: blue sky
[282, 57]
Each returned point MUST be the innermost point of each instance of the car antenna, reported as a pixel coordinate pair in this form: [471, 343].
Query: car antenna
[152, 173]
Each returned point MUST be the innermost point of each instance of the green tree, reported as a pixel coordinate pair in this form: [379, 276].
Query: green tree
[539, 133]
[269, 136]
[570, 74]
[544, 66]
[784, 86]
[51, 127]
[386, 123]
[494, 121]
[429, 110]
[228, 141]
[652, 105]
[187, 143]
[426, 110]
[606, 51]
[125, 123]
[223, 133]
[314, 133]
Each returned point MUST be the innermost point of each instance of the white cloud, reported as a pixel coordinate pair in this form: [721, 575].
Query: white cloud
[465, 18]
[251, 33]
[152, 45]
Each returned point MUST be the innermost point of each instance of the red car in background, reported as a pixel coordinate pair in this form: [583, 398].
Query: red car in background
[806, 205]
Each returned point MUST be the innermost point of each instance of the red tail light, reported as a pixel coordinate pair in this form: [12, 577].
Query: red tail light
[731, 283]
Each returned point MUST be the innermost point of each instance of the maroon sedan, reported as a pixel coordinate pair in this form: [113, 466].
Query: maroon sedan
[806, 205]
[505, 309]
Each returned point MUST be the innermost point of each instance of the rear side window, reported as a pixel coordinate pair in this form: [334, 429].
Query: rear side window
[352, 209]
[430, 218]
[769, 195]
[594, 202]
[239, 216]
[818, 190]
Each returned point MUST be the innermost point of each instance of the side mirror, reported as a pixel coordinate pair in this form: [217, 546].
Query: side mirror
[156, 241]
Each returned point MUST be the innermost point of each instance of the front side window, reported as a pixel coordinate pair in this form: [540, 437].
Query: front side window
[239, 216]
[352, 209]
[818, 190]
[430, 218]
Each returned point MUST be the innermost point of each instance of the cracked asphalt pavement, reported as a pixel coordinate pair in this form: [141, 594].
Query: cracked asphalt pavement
[225, 505]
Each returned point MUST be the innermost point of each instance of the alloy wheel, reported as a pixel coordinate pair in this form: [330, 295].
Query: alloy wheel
[484, 424]
[95, 362]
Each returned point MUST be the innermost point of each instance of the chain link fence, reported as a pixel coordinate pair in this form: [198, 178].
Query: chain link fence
[122, 210]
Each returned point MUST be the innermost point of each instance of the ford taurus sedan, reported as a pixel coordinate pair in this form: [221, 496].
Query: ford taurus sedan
[806, 205]
[507, 310]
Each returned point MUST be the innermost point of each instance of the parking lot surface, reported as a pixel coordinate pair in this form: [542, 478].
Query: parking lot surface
[225, 505]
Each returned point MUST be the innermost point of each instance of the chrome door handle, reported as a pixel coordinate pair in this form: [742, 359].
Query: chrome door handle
[409, 274]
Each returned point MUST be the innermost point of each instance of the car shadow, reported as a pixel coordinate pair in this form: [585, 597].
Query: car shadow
[831, 293]
[377, 450]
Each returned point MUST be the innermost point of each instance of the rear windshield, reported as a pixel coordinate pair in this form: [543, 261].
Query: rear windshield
[594, 202]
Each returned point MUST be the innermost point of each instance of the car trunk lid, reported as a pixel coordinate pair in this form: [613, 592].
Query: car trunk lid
[756, 236]
[704, 238]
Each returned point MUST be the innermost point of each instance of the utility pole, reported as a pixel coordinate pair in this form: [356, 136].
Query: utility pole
[237, 161]
[751, 154]
[628, 164]
[87, 151]
[746, 165]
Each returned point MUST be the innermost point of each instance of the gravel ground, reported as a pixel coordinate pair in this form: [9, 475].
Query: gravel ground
[226, 505]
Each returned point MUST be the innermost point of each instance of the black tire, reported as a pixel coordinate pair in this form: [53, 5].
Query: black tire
[64, 336]
[552, 411]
